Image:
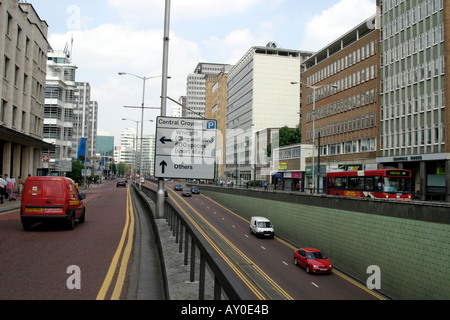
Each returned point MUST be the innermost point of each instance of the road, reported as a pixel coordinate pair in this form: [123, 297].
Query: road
[265, 266]
[52, 263]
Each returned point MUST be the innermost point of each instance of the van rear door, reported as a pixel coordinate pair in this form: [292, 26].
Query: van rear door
[44, 198]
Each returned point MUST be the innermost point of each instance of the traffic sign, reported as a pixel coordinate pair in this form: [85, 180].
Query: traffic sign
[185, 148]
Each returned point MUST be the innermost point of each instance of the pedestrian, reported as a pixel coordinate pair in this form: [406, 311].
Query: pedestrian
[19, 185]
[2, 188]
[10, 188]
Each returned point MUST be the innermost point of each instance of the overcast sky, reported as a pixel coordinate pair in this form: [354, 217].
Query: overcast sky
[111, 36]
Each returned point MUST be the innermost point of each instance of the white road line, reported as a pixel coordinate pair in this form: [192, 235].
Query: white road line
[263, 248]
[285, 263]
[315, 284]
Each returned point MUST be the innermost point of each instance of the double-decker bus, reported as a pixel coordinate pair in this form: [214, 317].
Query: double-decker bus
[384, 183]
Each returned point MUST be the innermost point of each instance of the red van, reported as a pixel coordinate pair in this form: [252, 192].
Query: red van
[51, 198]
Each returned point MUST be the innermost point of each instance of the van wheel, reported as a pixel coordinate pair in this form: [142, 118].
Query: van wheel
[71, 222]
[83, 216]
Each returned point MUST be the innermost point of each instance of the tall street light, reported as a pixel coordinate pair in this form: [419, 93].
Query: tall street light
[135, 146]
[314, 129]
[144, 80]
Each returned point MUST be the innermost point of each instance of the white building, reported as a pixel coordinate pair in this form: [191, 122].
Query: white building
[196, 88]
[260, 95]
[60, 104]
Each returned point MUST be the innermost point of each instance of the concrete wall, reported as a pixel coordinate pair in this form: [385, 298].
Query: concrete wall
[410, 242]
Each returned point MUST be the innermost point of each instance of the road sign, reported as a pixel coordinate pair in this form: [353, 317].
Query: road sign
[185, 148]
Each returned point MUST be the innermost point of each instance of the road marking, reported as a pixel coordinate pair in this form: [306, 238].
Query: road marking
[128, 232]
[285, 263]
[315, 284]
[263, 248]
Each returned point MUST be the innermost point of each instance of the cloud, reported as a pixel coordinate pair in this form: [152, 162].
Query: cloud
[332, 23]
[102, 52]
[188, 10]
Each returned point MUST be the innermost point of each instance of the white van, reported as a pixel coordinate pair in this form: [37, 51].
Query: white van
[261, 227]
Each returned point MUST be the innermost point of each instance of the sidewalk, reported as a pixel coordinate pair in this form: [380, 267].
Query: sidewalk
[10, 205]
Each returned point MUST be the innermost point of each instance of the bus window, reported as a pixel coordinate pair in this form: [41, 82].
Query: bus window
[355, 183]
[368, 183]
[377, 183]
[341, 183]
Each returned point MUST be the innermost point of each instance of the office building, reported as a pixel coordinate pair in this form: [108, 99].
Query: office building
[260, 96]
[196, 88]
[415, 40]
[340, 107]
[23, 60]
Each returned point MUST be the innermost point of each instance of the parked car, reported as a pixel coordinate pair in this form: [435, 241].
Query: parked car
[178, 187]
[261, 227]
[195, 190]
[312, 260]
[51, 199]
[186, 193]
[121, 183]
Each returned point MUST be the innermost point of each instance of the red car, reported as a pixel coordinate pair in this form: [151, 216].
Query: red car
[312, 260]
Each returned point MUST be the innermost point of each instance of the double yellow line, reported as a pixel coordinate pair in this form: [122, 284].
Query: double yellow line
[123, 251]
[260, 295]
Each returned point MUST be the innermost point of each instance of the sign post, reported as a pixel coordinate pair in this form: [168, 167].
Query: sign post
[185, 148]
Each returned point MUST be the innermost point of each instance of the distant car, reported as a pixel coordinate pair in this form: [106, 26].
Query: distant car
[178, 187]
[121, 183]
[195, 190]
[142, 180]
[186, 193]
[312, 260]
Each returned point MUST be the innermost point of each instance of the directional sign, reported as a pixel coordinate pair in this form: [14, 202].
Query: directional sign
[185, 148]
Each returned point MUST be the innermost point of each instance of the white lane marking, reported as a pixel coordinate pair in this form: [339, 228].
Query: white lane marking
[263, 248]
[315, 284]
[285, 263]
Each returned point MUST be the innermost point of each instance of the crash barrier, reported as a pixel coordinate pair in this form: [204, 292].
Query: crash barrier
[408, 242]
[191, 242]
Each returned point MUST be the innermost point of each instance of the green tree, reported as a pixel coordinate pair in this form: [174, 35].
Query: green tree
[287, 136]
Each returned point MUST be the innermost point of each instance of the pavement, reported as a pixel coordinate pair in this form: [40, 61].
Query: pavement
[7, 205]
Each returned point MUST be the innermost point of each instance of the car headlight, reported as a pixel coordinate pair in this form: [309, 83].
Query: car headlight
[315, 266]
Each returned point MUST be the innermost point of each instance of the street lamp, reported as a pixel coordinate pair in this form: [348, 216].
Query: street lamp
[136, 143]
[314, 128]
[144, 80]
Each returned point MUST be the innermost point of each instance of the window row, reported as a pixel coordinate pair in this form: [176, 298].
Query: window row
[349, 147]
[359, 100]
[357, 78]
[414, 105]
[415, 137]
[406, 19]
[342, 64]
[348, 125]
[414, 45]
[422, 72]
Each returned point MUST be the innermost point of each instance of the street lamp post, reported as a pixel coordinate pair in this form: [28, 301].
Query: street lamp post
[144, 80]
[136, 144]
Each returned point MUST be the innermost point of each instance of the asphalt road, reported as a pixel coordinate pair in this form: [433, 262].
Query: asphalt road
[52, 263]
[266, 264]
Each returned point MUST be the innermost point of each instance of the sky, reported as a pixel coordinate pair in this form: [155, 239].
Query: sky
[112, 36]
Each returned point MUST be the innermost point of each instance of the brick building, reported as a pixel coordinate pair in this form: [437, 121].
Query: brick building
[345, 78]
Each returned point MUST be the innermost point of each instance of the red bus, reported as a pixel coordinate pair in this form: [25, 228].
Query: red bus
[385, 183]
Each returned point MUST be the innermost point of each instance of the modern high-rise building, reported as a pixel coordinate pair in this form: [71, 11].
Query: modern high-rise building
[85, 118]
[414, 125]
[196, 88]
[260, 96]
[23, 61]
[59, 106]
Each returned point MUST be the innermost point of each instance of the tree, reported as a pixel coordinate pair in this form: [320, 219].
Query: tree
[287, 136]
